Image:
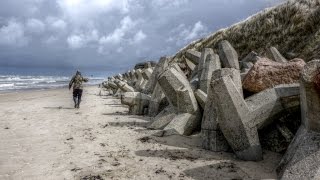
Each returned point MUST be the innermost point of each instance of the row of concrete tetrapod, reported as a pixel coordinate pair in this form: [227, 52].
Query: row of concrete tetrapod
[211, 100]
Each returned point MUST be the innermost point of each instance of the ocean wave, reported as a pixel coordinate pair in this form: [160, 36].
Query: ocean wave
[6, 85]
[15, 82]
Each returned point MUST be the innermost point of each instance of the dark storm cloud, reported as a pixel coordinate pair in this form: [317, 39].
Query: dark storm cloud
[113, 34]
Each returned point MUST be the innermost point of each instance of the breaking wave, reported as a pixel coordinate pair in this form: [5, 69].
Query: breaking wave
[15, 82]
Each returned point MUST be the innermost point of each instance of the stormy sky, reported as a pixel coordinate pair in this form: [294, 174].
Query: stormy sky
[109, 34]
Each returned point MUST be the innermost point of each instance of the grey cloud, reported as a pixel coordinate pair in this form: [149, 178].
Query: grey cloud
[35, 25]
[13, 34]
[113, 34]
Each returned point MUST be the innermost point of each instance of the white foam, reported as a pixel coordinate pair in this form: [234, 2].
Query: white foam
[6, 85]
[15, 82]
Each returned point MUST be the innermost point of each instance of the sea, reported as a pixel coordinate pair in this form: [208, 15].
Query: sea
[14, 79]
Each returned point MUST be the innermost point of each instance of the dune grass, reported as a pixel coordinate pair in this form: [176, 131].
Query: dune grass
[292, 27]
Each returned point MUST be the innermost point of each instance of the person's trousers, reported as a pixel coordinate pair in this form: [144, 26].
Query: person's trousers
[77, 93]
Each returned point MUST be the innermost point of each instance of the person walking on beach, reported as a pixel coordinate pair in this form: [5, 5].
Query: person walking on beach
[76, 83]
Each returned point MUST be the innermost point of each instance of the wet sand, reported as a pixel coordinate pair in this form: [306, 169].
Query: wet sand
[43, 137]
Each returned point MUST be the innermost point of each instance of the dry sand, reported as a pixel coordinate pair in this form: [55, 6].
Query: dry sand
[43, 137]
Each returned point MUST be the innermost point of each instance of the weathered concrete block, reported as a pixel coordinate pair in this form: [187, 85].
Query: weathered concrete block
[159, 68]
[170, 81]
[243, 75]
[190, 64]
[112, 85]
[214, 140]
[302, 159]
[194, 83]
[133, 78]
[211, 113]
[140, 80]
[180, 95]
[119, 77]
[156, 98]
[208, 63]
[271, 104]
[243, 139]
[137, 102]
[228, 55]
[174, 85]
[126, 76]
[187, 102]
[240, 119]
[146, 74]
[205, 54]
[267, 74]
[118, 93]
[163, 118]
[201, 97]
[193, 56]
[247, 63]
[124, 86]
[276, 55]
[310, 95]
[233, 73]
[110, 88]
[183, 124]
[147, 65]
[252, 57]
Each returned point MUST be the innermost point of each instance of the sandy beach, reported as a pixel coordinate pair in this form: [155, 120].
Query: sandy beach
[44, 137]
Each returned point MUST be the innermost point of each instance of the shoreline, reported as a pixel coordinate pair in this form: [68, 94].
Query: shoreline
[17, 91]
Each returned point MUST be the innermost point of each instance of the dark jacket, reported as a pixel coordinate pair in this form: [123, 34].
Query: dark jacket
[77, 81]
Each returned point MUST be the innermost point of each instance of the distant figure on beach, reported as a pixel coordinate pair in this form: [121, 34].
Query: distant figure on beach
[76, 82]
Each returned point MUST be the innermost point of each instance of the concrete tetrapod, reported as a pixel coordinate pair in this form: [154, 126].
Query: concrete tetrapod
[208, 63]
[201, 97]
[156, 98]
[247, 63]
[240, 119]
[133, 78]
[140, 80]
[302, 159]
[276, 55]
[228, 55]
[193, 56]
[137, 102]
[124, 86]
[181, 98]
[113, 86]
[212, 137]
[146, 74]
[163, 118]
[153, 80]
